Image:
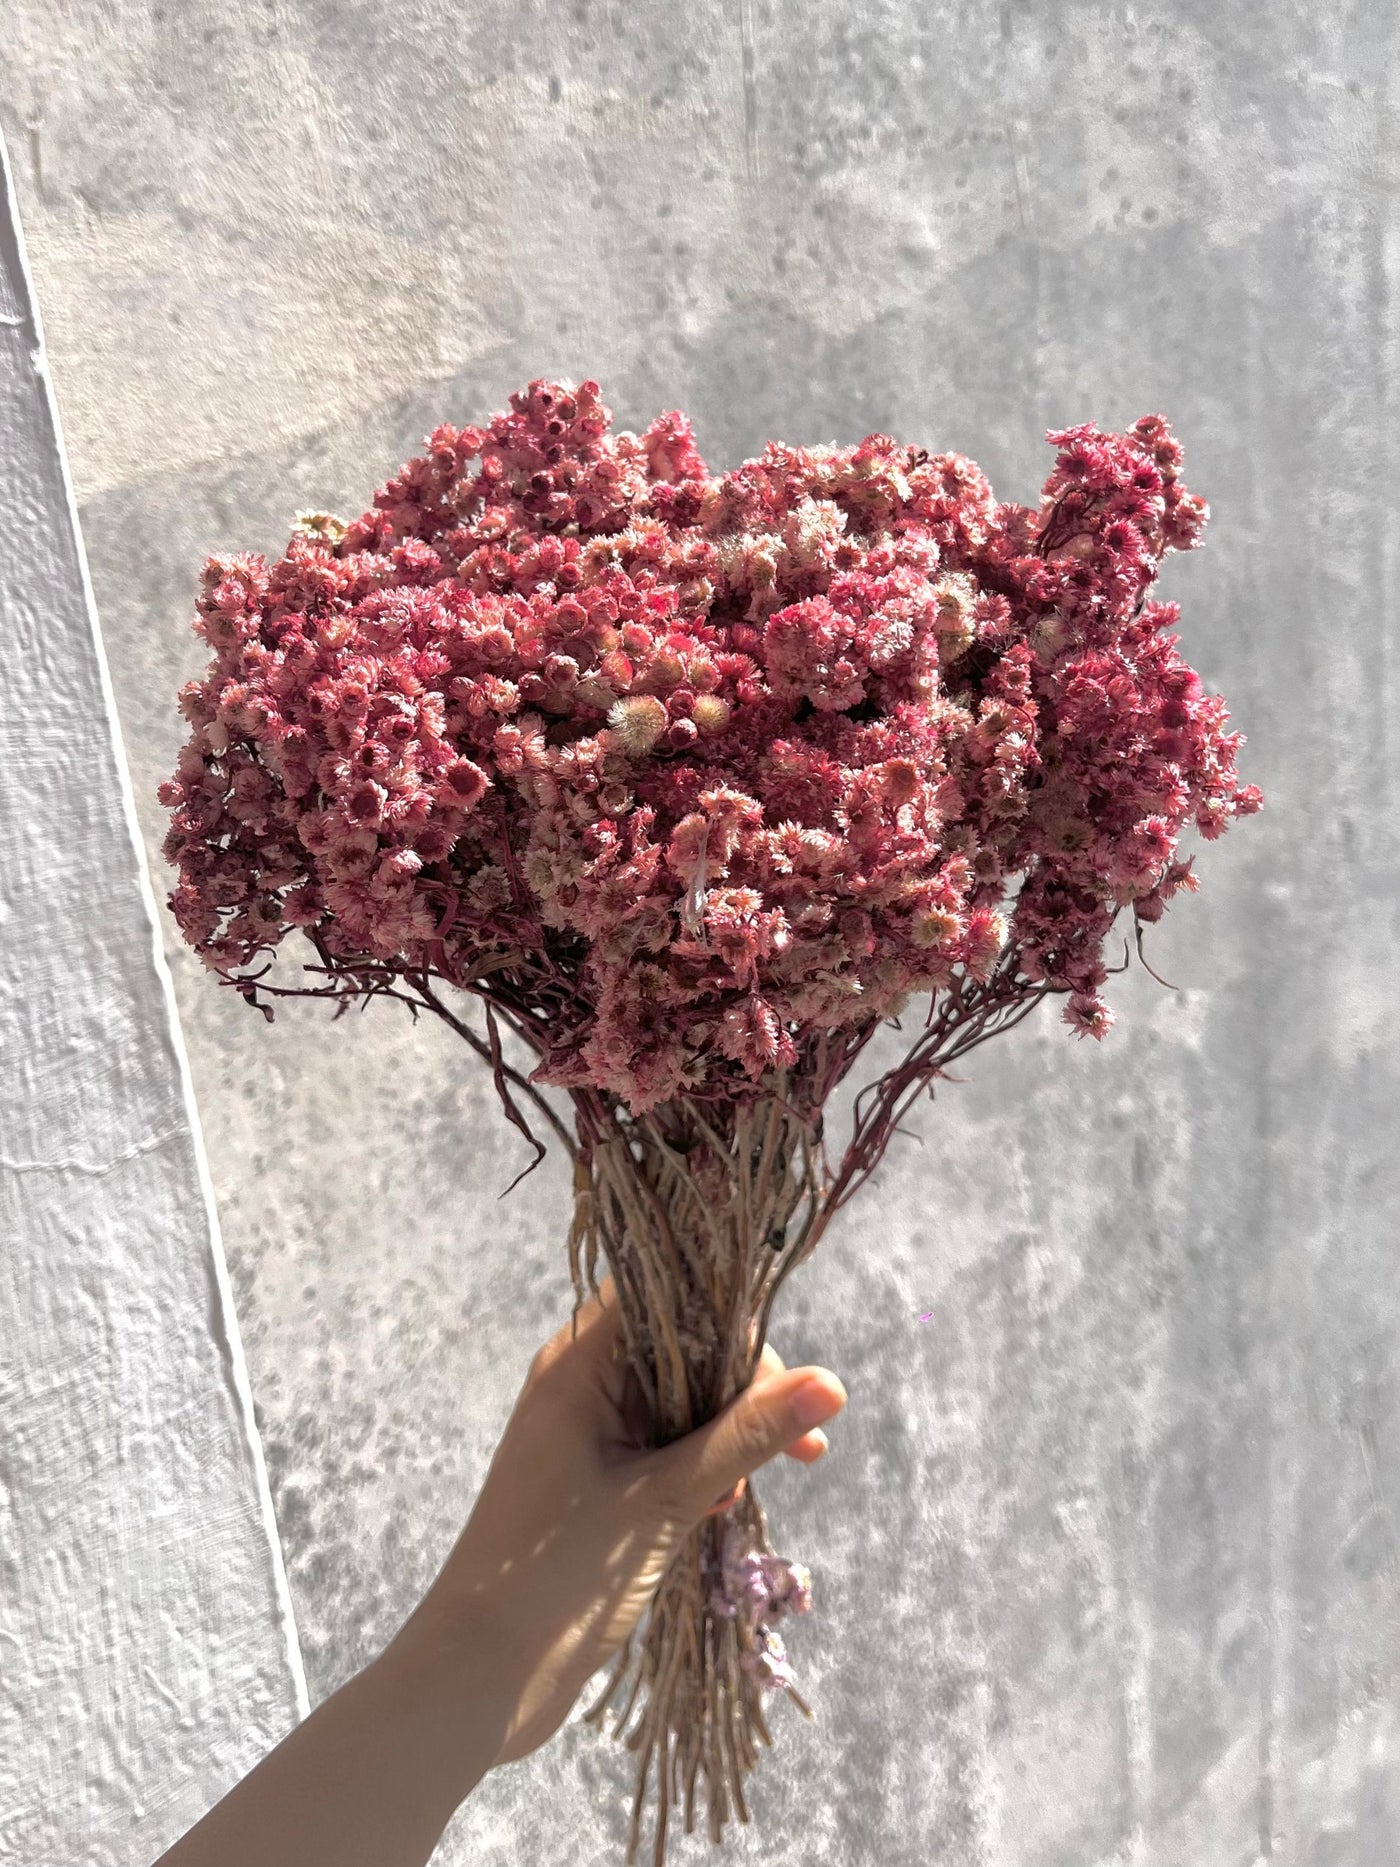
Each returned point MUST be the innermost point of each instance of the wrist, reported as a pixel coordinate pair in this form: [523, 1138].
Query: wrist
[473, 1634]
[478, 1605]
[449, 1657]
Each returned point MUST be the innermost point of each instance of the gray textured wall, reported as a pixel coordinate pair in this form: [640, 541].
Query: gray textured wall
[1107, 1563]
[146, 1637]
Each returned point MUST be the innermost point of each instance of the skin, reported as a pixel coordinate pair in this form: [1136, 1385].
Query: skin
[574, 1527]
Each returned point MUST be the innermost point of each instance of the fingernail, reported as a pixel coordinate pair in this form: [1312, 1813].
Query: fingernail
[815, 1401]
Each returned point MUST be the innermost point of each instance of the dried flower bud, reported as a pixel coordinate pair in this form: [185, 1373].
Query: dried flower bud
[901, 780]
[463, 784]
[710, 712]
[321, 525]
[665, 670]
[934, 927]
[680, 735]
[637, 722]
[954, 597]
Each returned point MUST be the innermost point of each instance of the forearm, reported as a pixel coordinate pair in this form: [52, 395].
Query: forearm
[374, 1775]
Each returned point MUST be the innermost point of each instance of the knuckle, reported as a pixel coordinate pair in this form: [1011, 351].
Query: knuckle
[542, 1360]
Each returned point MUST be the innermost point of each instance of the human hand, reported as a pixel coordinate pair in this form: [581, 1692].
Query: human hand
[579, 1519]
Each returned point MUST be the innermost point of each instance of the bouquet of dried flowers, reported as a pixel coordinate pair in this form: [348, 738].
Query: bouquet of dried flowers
[692, 782]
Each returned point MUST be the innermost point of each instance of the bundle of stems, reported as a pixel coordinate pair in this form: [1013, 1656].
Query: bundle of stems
[700, 1209]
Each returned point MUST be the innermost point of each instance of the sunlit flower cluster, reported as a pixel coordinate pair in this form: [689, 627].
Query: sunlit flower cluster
[707, 762]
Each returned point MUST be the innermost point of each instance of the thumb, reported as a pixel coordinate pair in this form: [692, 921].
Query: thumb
[757, 1424]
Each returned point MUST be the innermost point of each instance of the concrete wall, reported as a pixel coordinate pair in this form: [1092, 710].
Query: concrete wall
[146, 1639]
[1106, 1555]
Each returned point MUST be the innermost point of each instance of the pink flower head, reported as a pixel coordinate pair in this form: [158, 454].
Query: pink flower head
[699, 767]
